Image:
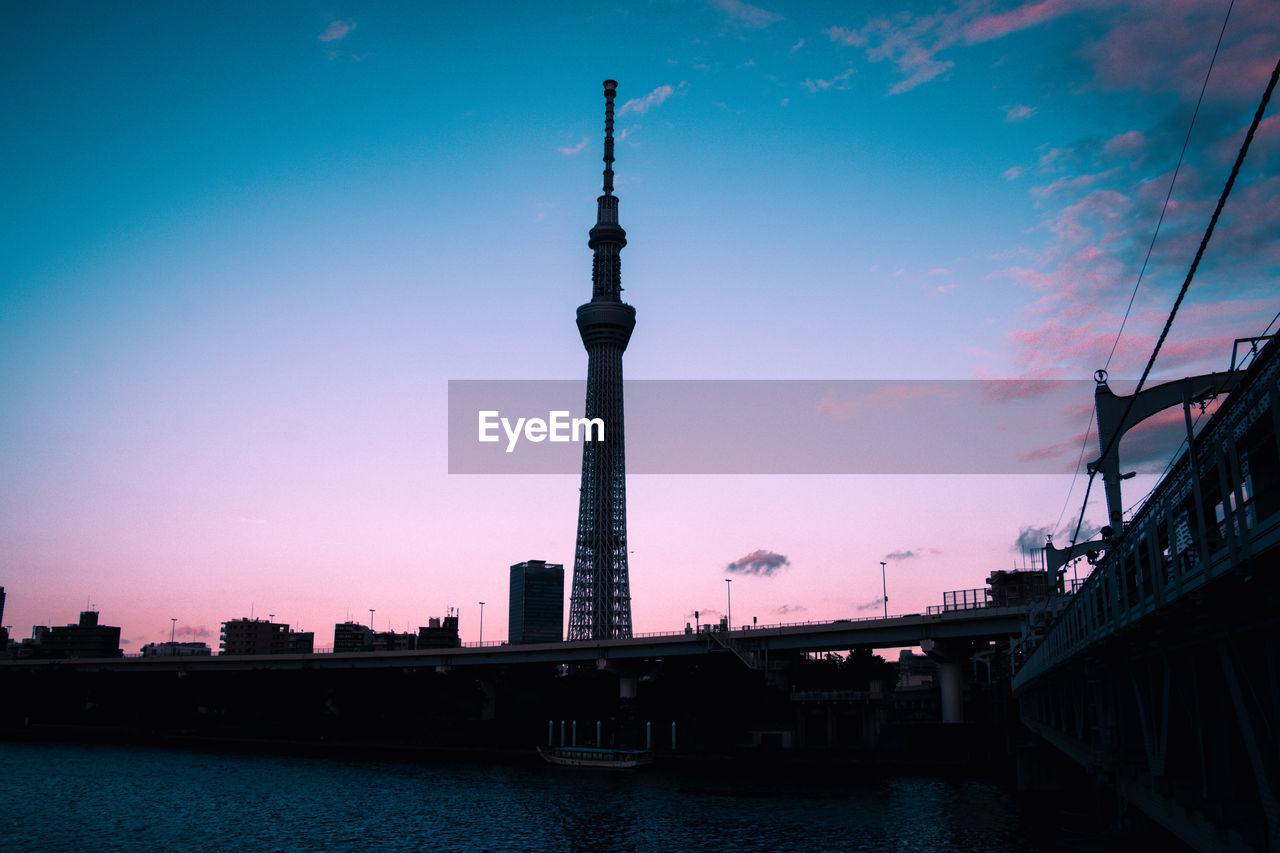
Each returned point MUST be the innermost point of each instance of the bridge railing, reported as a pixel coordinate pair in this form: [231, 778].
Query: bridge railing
[962, 599]
[1218, 508]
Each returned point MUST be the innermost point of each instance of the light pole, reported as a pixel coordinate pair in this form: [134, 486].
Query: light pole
[371, 609]
[173, 625]
[728, 587]
[884, 589]
[482, 623]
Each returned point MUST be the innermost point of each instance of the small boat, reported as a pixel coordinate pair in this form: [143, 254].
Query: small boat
[595, 756]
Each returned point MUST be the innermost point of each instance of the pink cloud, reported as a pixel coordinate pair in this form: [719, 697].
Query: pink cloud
[336, 31]
[1068, 451]
[569, 150]
[1125, 144]
[1018, 112]
[1073, 182]
[643, 105]
[746, 14]
[846, 37]
[991, 27]
[1143, 44]
[911, 44]
[840, 81]
[1161, 46]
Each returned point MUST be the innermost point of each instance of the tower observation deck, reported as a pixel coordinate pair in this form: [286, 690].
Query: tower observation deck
[600, 602]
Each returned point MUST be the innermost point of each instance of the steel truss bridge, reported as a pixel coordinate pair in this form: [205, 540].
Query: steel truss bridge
[1160, 675]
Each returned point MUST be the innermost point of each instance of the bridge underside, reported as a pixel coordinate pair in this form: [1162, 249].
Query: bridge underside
[1179, 713]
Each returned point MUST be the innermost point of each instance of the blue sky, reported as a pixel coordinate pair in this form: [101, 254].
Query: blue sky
[245, 247]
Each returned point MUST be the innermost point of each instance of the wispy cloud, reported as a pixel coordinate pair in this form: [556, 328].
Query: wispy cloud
[336, 31]
[746, 14]
[1066, 451]
[799, 44]
[1018, 112]
[910, 44]
[988, 27]
[760, 562]
[846, 37]
[909, 554]
[570, 150]
[1125, 144]
[643, 105]
[788, 609]
[840, 81]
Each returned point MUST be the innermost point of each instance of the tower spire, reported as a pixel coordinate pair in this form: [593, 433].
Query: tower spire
[610, 92]
[607, 237]
[600, 603]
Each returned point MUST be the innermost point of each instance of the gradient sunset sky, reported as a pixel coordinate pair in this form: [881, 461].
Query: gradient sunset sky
[245, 246]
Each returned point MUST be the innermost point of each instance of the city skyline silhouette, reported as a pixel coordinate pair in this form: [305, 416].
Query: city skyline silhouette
[245, 255]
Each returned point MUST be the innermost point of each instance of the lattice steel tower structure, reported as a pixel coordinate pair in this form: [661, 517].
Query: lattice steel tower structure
[600, 604]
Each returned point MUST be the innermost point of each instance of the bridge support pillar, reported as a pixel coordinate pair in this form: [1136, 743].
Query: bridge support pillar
[628, 678]
[951, 657]
[489, 706]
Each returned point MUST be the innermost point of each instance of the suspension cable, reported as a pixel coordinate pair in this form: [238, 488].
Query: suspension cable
[1186, 283]
[1168, 195]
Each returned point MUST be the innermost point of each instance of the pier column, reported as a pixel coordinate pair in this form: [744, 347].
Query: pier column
[628, 676]
[951, 656]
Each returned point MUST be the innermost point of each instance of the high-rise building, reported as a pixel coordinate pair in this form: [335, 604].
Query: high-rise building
[600, 604]
[86, 639]
[256, 637]
[352, 637]
[394, 641]
[300, 642]
[536, 614]
[440, 633]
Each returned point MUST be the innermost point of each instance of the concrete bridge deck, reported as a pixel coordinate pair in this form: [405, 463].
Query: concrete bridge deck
[892, 632]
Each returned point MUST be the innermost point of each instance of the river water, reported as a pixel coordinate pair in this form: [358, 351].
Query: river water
[73, 797]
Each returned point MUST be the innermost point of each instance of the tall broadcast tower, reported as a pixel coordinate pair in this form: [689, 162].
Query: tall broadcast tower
[600, 604]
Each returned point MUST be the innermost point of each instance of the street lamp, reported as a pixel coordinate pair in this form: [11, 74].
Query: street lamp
[371, 609]
[728, 587]
[173, 625]
[482, 623]
[884, 589]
